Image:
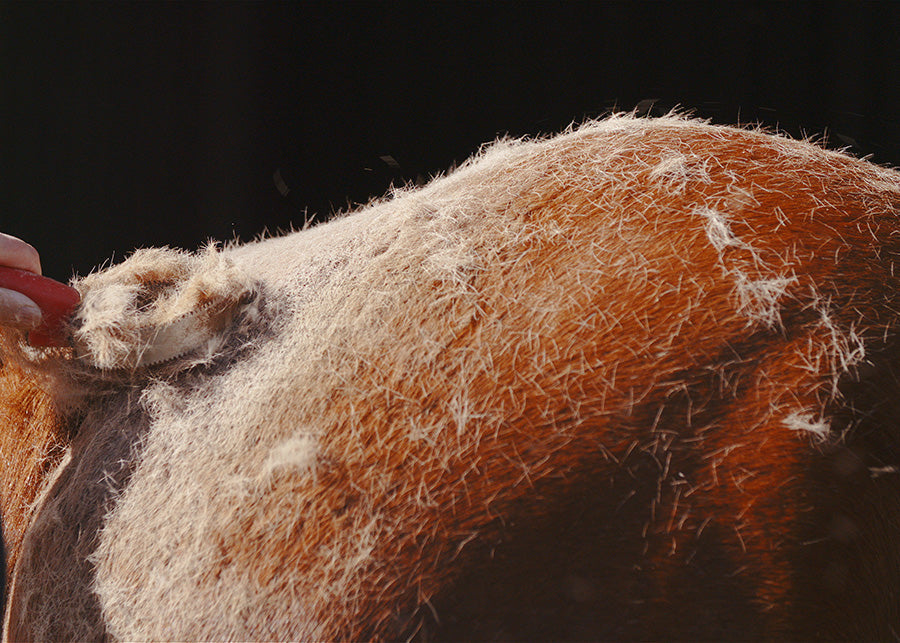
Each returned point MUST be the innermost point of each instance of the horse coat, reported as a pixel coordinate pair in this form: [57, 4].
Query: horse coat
[638, 380]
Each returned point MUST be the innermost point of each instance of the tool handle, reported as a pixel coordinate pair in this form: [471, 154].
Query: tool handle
[56, 300]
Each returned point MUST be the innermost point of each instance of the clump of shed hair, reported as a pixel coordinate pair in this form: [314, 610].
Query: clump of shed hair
[124, 307]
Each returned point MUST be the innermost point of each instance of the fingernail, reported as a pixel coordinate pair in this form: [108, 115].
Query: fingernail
[18, 311]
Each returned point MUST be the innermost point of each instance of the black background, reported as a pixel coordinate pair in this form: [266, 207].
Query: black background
[128, 125]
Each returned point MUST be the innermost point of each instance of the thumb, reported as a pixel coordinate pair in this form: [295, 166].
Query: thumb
[18, 311]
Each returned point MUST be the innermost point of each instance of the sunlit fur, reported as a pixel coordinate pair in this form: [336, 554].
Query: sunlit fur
[637, 380]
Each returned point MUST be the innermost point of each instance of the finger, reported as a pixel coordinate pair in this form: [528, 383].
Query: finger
[15, 253]
[18, 311]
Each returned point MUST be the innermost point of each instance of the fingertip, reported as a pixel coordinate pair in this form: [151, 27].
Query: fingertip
[16, 253]
[18, 311]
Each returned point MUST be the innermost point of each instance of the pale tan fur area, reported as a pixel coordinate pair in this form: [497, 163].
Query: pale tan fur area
[408, 371]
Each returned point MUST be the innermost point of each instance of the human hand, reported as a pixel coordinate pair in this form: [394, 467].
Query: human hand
[16, 309]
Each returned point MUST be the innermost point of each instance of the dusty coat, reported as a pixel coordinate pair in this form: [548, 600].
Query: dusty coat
[636, 380]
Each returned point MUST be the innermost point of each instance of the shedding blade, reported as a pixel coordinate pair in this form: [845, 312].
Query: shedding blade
[185, 334]
[56, 300]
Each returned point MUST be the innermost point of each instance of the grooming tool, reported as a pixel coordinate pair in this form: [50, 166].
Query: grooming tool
[184, 334]
[158, 342]
[56, 300]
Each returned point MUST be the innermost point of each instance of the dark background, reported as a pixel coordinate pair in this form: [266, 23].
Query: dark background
[127, 125]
